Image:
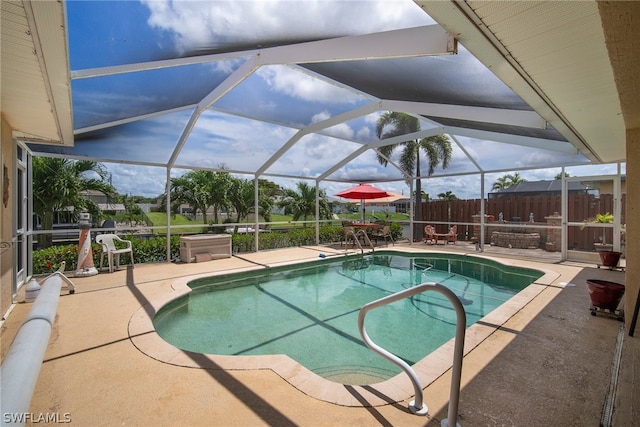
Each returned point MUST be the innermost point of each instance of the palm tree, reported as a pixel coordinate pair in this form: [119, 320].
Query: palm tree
[220, 193]
[447, 196]
[194, 188]
[437, 148]
[241, 197]
[302, 203]
[515, 179]
[507, 181]
[60, 184]
[133, 212]
[501, 183]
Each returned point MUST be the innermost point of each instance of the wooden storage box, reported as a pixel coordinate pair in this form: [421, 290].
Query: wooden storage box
[215, 245]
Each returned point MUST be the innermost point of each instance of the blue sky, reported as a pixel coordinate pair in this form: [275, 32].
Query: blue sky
[122, 32]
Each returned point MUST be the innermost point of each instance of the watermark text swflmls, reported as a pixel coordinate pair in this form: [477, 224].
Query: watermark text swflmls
[36, 417]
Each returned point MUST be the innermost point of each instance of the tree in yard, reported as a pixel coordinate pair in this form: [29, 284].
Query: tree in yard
[437, 150]
[220, 193]
[242, 197]
[194, 188]
[424, 196]
[133, 214]
[501, 183]
[302, 203]
[447, 196]
[507, 181]
[59, 184]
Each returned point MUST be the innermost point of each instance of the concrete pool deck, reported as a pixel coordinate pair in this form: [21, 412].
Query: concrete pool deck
[548, 363]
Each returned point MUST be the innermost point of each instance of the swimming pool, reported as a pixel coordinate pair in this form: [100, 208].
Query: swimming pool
[309, 311]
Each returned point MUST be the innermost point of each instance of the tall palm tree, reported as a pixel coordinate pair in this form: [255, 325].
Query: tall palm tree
[302, 203]
[194, 188]
[60, 184]
[220, 193]
[241, 197]
[437, 149]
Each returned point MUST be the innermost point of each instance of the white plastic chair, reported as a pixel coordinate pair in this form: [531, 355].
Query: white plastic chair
[110, 249]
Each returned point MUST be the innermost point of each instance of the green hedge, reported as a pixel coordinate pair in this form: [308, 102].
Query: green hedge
[154, 250]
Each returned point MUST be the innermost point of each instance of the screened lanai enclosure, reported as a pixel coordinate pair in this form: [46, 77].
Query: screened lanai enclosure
[292, 91]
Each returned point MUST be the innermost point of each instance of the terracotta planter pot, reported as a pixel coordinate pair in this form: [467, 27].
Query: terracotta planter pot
[604, 294]
[610, 258]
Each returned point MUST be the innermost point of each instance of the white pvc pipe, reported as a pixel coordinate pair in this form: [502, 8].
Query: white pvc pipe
[21, 366]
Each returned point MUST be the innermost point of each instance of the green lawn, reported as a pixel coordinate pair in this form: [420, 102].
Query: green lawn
[159, 219]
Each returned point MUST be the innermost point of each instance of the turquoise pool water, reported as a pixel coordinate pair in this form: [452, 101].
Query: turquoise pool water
[310, 311]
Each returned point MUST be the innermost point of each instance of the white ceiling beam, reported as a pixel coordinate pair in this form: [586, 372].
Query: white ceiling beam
[86, 129]
[222, 89]
[524, 141]
[315, 127]
[530, 119]
[156, 65]
[389, 44]
[48, 32]
[381, 143]
[459, 18]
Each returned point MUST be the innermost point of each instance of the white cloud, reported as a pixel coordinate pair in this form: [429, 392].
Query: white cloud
[300, 85]
[212, 24]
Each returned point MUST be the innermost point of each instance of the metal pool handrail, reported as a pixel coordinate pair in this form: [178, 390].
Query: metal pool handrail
[417, 406]
[355, 239]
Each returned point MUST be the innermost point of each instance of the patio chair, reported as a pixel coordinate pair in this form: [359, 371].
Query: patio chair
[384, 233]
[430, 234]
[452, 235]
[351, 234]
[112, 250]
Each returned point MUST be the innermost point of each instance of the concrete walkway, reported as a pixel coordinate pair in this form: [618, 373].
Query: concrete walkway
[549, 363]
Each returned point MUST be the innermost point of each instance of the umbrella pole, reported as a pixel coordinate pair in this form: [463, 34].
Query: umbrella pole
[362, 214]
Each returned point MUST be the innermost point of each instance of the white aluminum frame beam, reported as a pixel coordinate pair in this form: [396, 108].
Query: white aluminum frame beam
[230, 82]
[524, 141]
[524, 118]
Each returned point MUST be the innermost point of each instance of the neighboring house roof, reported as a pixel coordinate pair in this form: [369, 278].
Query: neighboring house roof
[531, 187]
[393, 197]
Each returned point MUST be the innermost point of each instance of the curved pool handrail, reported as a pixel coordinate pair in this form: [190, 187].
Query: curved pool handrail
[417, 406]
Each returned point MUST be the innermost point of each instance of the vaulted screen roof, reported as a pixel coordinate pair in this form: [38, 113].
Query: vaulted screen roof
[294, 89]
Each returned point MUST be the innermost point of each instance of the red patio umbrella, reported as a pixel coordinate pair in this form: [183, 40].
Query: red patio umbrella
[361, 192]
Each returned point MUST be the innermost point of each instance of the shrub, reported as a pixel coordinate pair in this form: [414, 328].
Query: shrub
[144, 250]
[154, 249]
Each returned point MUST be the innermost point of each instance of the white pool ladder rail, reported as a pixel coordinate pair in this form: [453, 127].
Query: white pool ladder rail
[417, 406]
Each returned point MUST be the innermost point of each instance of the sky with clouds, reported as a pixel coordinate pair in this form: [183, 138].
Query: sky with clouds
[230, 133]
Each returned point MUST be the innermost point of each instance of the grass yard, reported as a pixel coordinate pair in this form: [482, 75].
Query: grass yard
[159, 219]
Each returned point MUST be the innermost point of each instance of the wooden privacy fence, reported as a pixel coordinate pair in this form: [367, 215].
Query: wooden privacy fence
[519, 209]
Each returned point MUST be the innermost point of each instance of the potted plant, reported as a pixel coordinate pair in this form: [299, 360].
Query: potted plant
[605, 295]
[609, 257]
